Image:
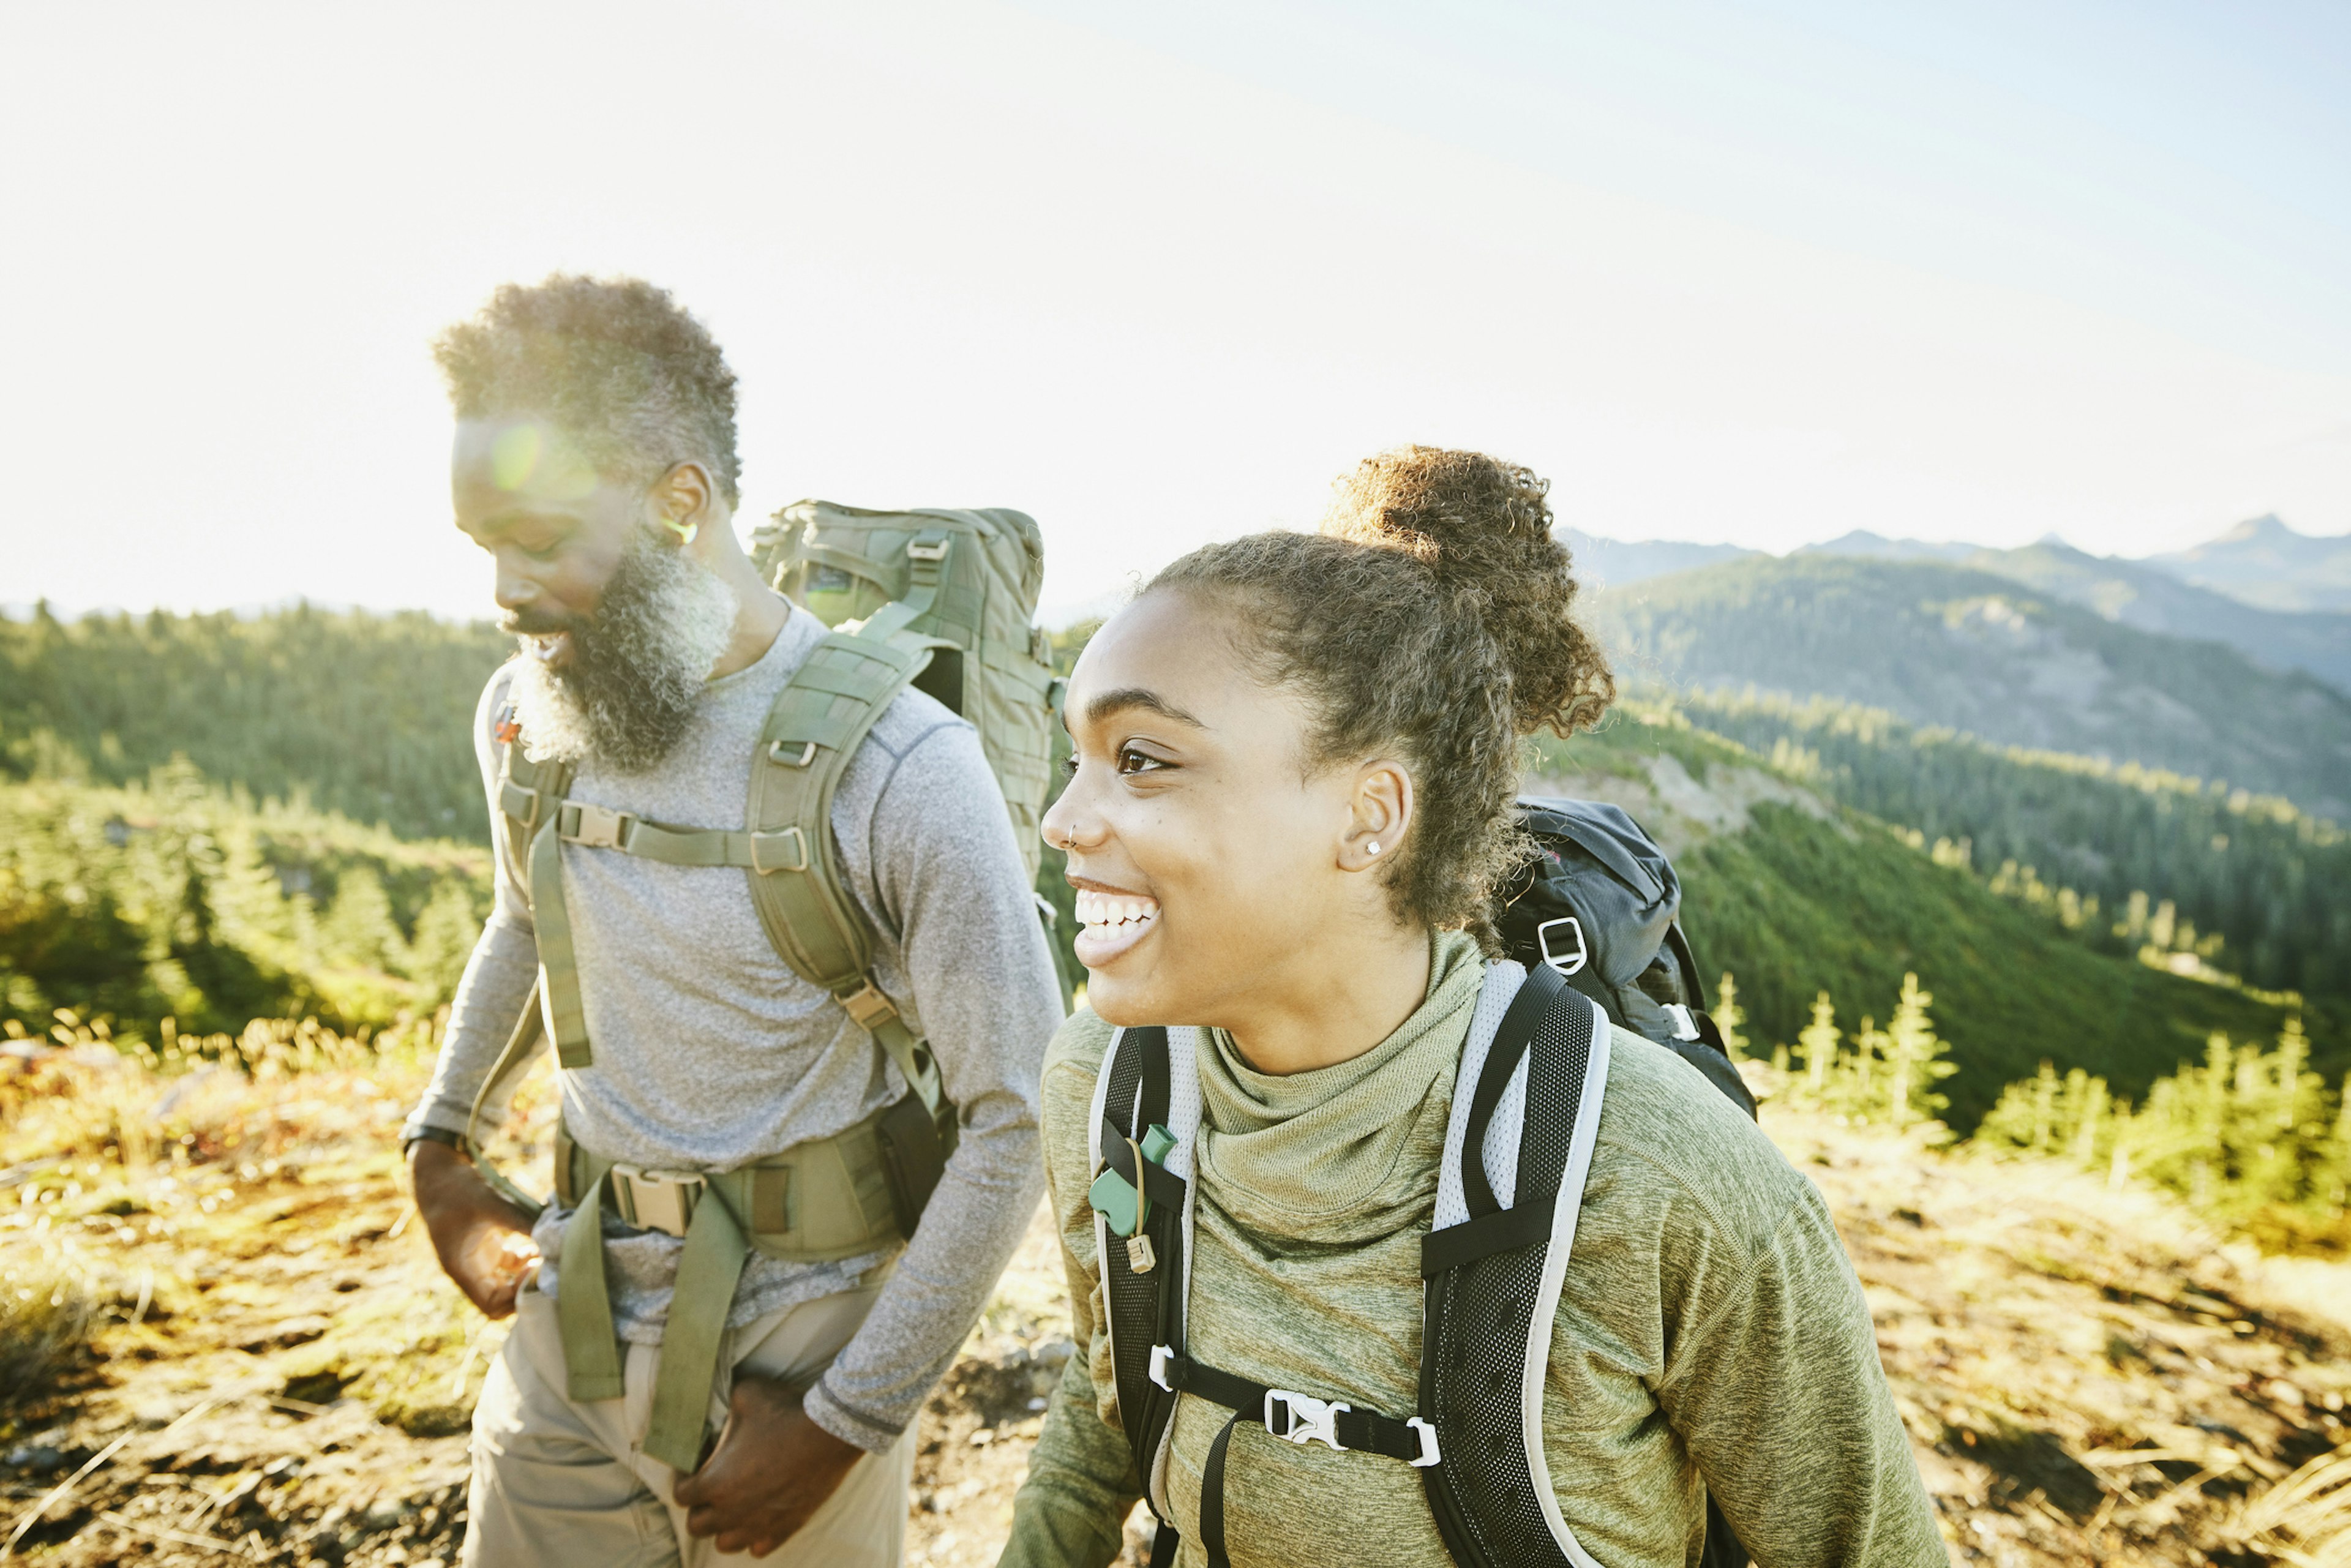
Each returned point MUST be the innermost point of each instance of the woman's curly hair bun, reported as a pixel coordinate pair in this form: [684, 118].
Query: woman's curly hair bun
[1483, 527]
[1431, 618]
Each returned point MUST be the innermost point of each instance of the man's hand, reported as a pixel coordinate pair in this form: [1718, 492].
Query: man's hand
[772, 1471]
[483, 1240]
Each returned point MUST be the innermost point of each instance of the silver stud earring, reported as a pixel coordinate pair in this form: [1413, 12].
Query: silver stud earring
[1374, 847]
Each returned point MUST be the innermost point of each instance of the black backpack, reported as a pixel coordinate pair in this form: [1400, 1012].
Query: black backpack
[1595, 921]
[1601, 904]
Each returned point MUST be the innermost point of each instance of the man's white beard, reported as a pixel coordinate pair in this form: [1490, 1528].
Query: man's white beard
[637, 667]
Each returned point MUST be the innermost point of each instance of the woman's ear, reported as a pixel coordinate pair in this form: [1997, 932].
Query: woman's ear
[1381, 814]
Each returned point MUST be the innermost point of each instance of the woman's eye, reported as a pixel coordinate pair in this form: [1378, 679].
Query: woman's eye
[1132, 761]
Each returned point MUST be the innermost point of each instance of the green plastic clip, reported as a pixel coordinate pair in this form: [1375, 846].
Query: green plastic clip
[1123, 1209]
[1120, 1205]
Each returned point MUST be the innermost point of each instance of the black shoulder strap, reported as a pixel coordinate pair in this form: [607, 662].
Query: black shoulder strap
[1145, 1304]
[1486, 1281]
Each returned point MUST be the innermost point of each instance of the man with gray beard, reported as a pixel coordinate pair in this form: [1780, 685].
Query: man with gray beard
[595, 461]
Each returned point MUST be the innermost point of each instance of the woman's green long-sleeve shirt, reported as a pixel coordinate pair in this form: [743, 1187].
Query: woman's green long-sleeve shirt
[1710, 1334]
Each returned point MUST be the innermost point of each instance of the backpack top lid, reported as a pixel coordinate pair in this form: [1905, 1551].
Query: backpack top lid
[1598, 866]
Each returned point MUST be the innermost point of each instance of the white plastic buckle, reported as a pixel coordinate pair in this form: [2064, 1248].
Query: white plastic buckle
[1159, 1357]
[1427, 1434]
[1565, 963]
[1685, 1027]
[656, 1200]
[921, 551]
[1311, 1420]
[777, 752]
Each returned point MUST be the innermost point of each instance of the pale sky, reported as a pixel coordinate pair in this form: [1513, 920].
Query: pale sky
[1154, 274]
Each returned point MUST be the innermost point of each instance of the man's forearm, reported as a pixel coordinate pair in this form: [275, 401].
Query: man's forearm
[976, 1219]
[482, 1017]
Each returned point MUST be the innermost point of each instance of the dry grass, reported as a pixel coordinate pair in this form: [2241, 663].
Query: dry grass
[2087, 1375]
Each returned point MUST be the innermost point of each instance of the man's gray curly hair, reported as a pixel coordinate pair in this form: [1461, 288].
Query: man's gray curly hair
[617, 363]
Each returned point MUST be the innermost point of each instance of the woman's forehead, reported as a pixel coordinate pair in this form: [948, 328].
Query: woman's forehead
[1169, 653]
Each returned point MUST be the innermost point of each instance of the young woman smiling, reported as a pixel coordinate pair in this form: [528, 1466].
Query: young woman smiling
[1290, 803]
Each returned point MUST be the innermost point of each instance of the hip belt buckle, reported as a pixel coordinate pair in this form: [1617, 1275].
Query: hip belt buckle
[1306, 1419]
[656, 1200]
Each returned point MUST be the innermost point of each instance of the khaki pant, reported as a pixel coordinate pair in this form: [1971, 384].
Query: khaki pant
[561, 1484]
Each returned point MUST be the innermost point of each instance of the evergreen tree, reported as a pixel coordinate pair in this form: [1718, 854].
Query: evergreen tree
[1916, 1058]
[1818, 1043]
[1727, 1018]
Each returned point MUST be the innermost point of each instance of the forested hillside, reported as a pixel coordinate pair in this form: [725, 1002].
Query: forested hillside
[1936, 644]
[175, 898]
[1793, 895]
[2126, 857]
[367, 715]
[183, 894]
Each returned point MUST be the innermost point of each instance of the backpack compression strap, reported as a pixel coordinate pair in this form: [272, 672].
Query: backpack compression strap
[1493, 1273]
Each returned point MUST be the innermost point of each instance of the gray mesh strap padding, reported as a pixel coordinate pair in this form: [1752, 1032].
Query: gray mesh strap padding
[1488, 1314]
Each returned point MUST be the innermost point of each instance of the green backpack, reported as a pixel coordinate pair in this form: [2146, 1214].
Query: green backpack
[962, 585]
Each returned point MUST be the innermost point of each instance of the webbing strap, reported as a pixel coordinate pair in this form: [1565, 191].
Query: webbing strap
[558, 965]
[708, 1271]
[600, 827]
[1366, 1431]
[1156, 1182]
[1212, 1496]
[584, 1304]
[817, 1202]
[926, 561]
[1512, 1037]
[911, 1057]
[527, 1032]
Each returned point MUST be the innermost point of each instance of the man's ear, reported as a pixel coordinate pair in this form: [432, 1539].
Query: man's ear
[684, 500]
[1381, 806]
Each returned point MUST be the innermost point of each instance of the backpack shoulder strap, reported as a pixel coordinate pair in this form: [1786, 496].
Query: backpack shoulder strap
[529, 793]
[824, 711]
[530, 807]
[1149, 1078]
[1493, 1270]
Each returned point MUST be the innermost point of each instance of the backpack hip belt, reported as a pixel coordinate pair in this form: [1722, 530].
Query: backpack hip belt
[819, 1201]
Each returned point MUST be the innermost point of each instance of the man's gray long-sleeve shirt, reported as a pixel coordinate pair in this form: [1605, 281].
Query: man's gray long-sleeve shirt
[711, 1053]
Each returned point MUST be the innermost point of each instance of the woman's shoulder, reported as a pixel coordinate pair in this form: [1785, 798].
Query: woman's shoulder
[1080, 1044]
[1664, 1129]
[1072, 1062]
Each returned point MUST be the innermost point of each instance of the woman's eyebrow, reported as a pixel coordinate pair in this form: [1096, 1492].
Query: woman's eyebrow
[1112, 702]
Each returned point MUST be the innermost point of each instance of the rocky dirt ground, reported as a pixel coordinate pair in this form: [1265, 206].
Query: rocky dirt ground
[251, 1357]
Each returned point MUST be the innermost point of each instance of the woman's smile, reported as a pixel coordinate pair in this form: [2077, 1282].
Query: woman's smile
[1111, 921]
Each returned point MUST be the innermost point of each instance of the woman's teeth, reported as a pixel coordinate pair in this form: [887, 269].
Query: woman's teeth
[1116, 910]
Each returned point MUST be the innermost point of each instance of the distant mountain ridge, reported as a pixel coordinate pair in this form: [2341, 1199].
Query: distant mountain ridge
[2263, 562]
[1937, 644]
[2140, 594]
[1604, 562]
